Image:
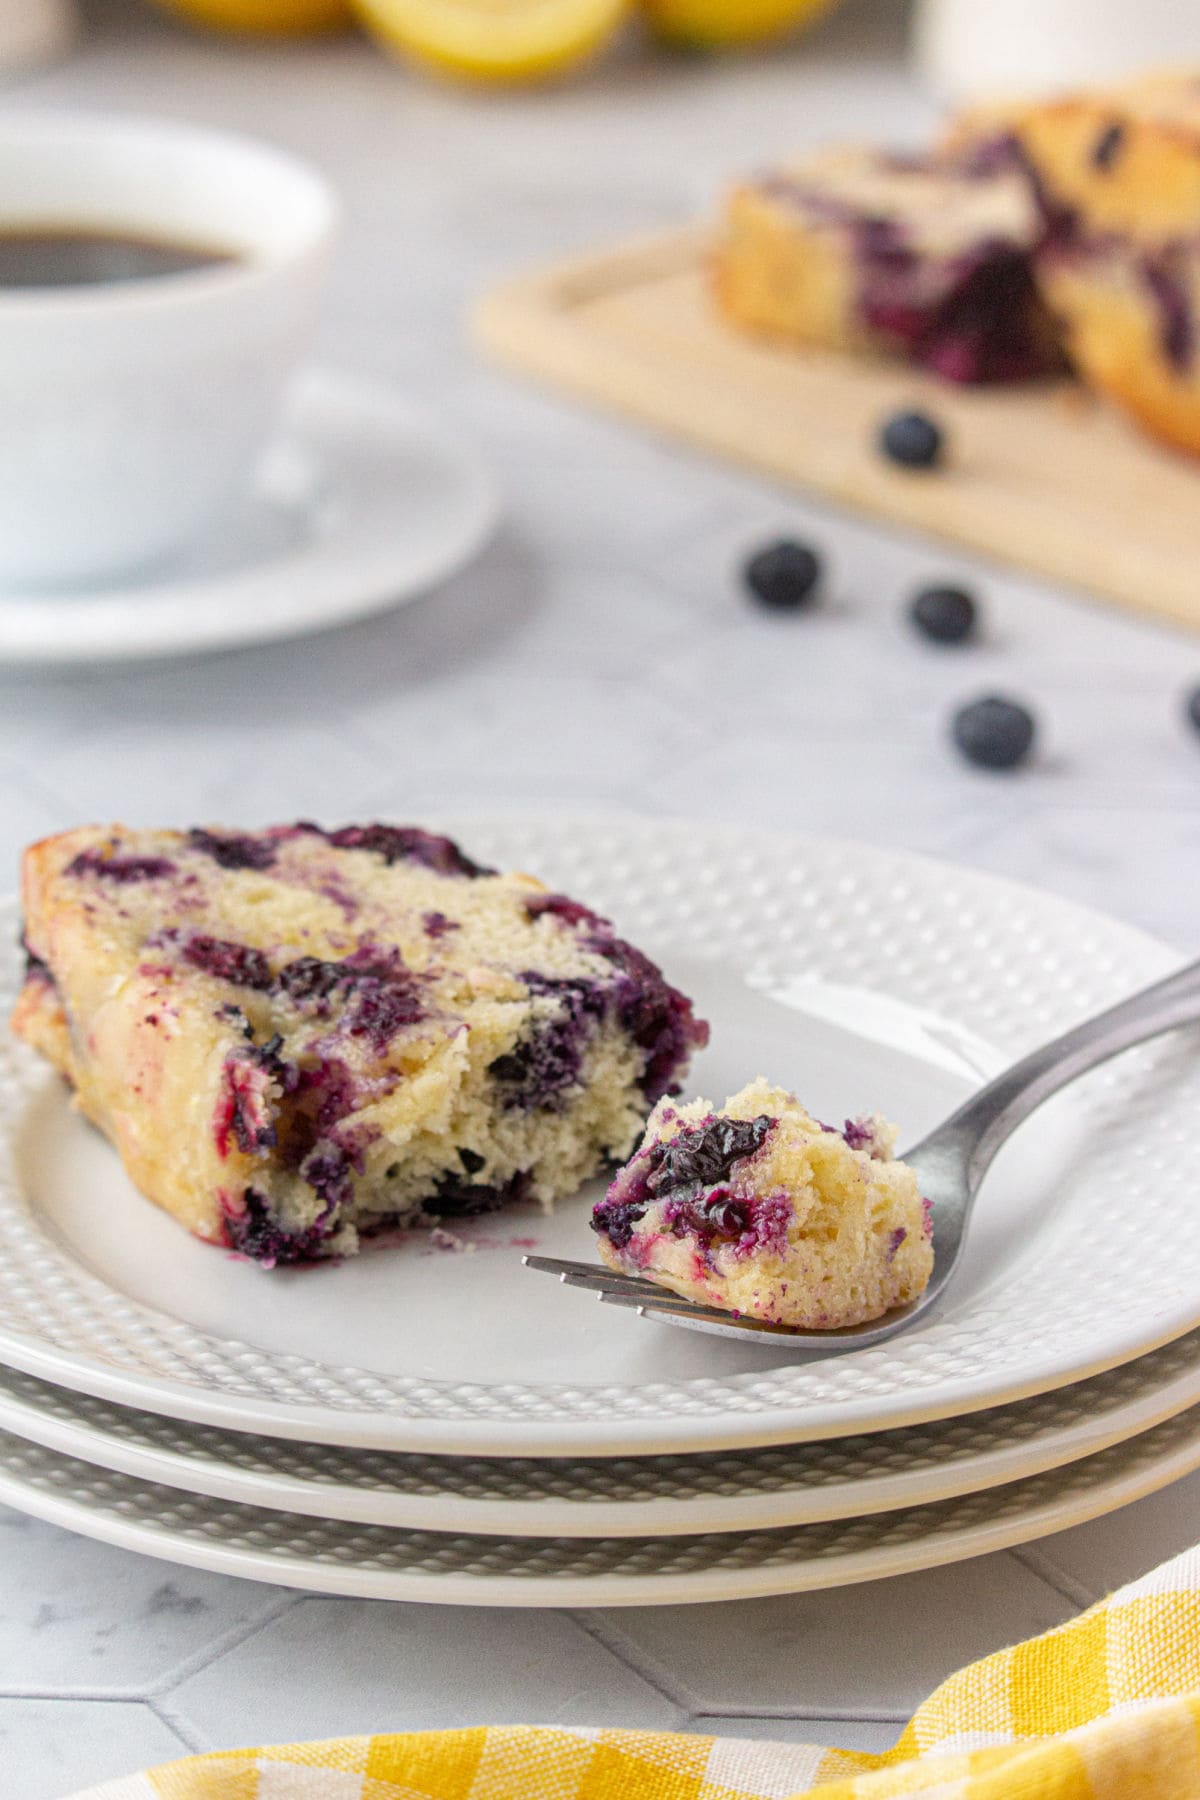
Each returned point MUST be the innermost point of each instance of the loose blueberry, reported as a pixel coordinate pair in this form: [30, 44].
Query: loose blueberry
[1192, 708]
[784, 575]
[994, 733]
[913, 439]
[946, 615]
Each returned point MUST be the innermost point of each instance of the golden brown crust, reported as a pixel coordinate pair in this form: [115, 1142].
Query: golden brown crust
[773, 275]
[135, 1045]
[39, 1020]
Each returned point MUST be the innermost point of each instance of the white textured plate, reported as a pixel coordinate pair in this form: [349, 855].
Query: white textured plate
[861, 979]
[461, 1570]
[362, 501]
[732, 1490]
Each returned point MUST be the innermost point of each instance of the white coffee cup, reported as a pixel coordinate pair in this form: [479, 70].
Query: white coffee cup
[131, 413]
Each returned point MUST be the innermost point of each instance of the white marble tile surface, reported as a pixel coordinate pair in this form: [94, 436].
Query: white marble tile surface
[600, 655]
[852, 1652]
[56, 1746]
[1090, 1560]
[77, 1619]
[328, 1668]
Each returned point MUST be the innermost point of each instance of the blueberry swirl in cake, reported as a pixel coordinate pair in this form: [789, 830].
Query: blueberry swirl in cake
[297, 1036]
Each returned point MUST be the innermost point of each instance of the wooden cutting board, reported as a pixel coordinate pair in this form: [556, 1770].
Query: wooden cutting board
[1041, 476]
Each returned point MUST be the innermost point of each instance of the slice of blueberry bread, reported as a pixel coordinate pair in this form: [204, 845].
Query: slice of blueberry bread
[928, 259]
[297, 1036]
[1115, 175]
[758, 1208]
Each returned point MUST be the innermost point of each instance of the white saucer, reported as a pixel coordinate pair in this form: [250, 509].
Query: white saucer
[361, 502]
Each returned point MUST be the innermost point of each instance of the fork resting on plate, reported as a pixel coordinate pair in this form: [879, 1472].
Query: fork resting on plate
[950, 1164]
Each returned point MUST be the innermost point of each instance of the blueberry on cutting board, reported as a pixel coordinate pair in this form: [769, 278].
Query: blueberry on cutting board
[913, 440]
[783, 576]
[994, 733]
[944, 615]
[1192, 708]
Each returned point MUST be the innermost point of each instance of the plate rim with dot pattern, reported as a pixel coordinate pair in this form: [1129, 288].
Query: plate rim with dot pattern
[373, 1562]
[742, 1490]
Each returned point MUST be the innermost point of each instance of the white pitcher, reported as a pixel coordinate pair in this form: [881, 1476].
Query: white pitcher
[968, 50]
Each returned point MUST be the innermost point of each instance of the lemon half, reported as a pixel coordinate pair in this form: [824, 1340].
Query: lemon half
[495, 40]
[707, 24]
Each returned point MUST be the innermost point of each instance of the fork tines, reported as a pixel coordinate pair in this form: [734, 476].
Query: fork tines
[622, 1290]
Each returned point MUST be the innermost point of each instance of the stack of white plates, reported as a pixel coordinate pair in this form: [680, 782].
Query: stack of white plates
[429, 1425]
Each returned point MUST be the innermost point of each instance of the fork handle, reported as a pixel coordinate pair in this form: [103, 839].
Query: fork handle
[971, 1137]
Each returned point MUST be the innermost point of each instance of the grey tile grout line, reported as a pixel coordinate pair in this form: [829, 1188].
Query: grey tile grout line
[179, 1725]
[595, 1626]
[221, 1646]
[84, 1696]
[1032, 1559]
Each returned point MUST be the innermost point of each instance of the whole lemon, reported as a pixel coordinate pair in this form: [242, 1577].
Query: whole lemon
[494, 40]
[708, 24]
[267, 18]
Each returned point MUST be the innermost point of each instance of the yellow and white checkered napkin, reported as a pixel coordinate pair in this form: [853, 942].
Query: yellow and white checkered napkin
[1104, 1708]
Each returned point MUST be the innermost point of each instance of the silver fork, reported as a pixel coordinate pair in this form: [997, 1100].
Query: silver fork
[950, 1165]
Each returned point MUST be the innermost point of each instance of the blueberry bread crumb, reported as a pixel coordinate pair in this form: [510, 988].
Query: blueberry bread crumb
[761, 1209]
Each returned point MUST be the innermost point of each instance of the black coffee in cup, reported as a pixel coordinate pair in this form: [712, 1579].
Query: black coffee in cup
[76, 256]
